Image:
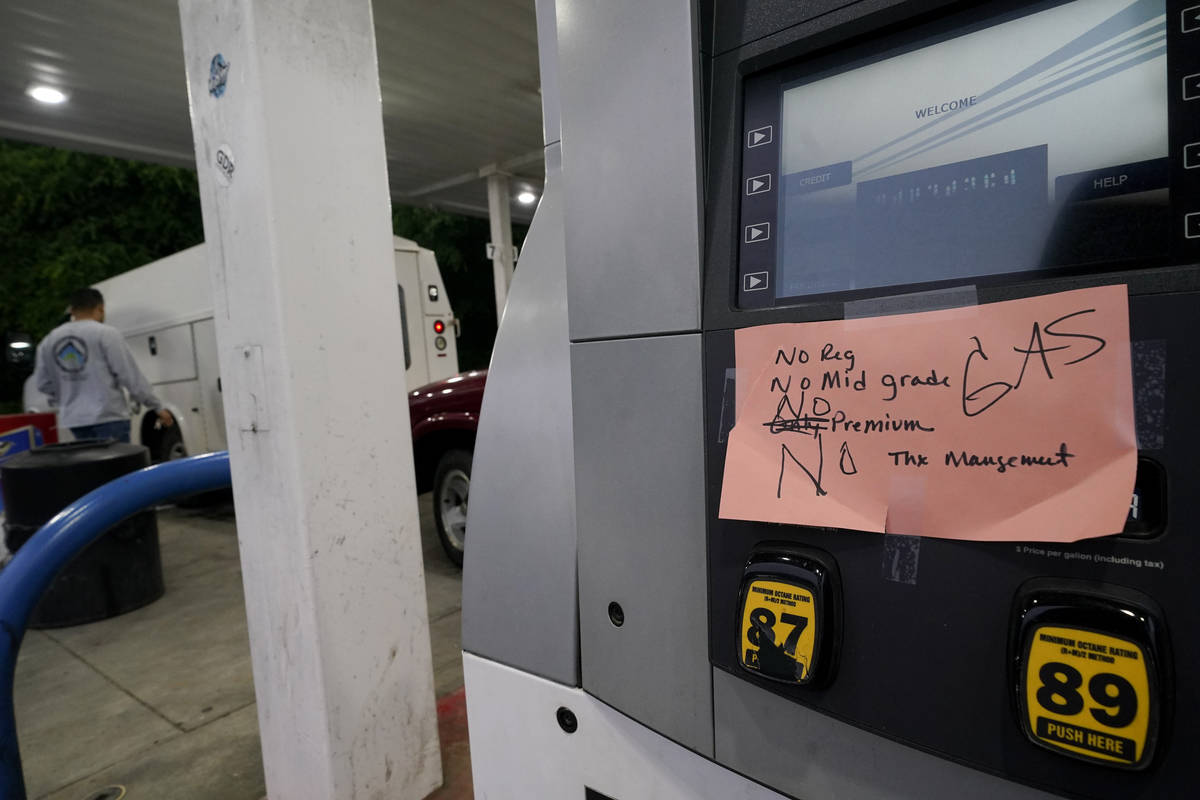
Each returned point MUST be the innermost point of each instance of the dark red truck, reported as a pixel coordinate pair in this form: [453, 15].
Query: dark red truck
[445, 416]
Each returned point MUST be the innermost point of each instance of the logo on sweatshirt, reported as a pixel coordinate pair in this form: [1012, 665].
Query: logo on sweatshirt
[71, 354]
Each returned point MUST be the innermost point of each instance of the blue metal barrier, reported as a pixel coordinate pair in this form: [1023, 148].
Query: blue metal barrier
[40, 559]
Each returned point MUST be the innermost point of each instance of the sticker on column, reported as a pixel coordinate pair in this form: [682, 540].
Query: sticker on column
[218, 75]
[224, 164]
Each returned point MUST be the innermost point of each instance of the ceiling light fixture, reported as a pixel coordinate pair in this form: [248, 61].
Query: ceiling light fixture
[526, 198]
[47, 94]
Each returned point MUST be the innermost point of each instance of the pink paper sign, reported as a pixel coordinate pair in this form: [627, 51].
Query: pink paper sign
[1009, 421]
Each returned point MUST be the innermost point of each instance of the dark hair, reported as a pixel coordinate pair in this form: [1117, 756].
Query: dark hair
[86, 299]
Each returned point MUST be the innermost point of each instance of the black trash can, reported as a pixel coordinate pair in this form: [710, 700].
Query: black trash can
[120, 571]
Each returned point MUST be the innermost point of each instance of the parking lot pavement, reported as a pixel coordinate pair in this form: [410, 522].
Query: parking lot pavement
[161, 700]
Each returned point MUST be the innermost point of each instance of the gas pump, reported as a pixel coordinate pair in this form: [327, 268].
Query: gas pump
[630, 630]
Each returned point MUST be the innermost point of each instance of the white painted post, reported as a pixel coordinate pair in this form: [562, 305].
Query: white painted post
[500, 217]
[286, 116]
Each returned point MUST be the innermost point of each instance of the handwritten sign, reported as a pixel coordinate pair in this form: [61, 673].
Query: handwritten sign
[1006, 421]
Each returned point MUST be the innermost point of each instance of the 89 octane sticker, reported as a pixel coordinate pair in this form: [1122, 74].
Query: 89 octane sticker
[1088, 694]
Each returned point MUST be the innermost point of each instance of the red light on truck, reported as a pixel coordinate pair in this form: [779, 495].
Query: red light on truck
[439, 326]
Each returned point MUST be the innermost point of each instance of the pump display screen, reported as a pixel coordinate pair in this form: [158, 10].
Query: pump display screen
[1032, 143]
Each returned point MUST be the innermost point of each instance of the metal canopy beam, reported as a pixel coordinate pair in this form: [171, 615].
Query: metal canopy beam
[507, 168]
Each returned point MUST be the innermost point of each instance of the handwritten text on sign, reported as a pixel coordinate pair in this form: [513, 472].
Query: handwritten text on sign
[1007, 421]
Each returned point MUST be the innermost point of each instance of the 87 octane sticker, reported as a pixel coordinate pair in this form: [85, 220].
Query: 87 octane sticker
[779, 630]
[1088, 695]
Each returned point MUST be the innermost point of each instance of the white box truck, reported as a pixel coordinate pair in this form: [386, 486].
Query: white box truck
[164, 309]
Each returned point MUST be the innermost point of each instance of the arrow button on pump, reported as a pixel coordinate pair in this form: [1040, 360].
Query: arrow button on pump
[1191, 156]
[758, 184]
[759, 232]
[1191, 87]
[1190, 19]
[760, 136]
[755, 281]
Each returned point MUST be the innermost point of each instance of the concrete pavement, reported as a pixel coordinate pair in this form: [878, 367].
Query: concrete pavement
[160, 701]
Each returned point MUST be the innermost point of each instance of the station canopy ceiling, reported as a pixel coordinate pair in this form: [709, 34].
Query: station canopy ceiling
[459, 80]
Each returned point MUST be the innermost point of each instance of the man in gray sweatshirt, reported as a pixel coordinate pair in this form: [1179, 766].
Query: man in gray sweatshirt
[82, 366]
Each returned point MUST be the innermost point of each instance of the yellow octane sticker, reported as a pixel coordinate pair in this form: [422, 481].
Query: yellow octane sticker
[779, 630]
[1088, 694]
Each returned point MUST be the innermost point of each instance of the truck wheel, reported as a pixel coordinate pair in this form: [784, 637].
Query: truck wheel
[170, 444]
[164, 444]
[451, 487]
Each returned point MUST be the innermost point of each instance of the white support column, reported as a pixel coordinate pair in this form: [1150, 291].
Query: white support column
[286, 116]
[500, 216]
